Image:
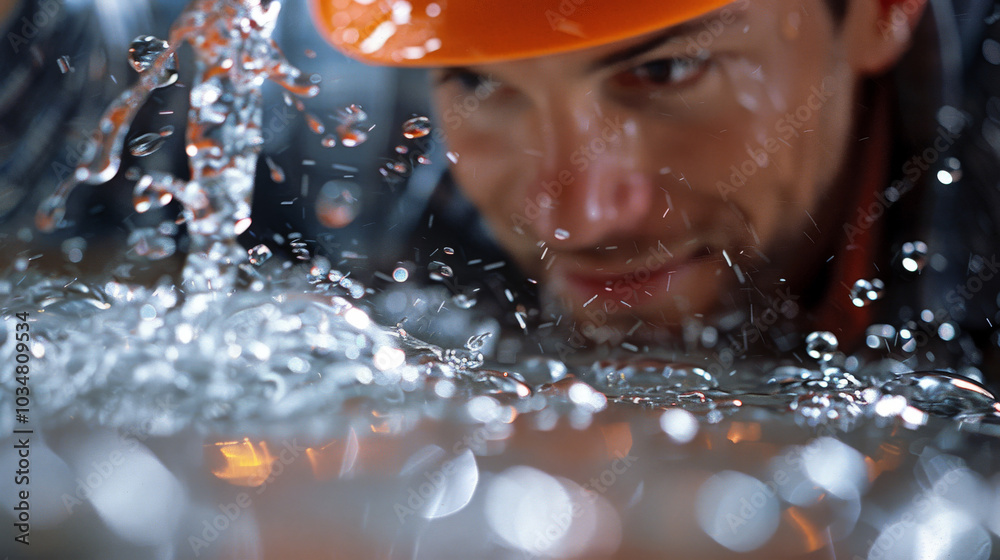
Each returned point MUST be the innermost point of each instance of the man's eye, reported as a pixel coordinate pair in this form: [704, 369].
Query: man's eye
[663, 72]
[463, 78]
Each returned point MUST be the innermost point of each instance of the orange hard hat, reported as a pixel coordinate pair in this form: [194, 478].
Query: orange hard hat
[462, 32]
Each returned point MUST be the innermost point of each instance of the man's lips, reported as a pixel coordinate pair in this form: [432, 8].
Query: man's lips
[599, 285]
[649, 272]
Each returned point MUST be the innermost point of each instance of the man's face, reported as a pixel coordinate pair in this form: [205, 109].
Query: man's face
[665, 176]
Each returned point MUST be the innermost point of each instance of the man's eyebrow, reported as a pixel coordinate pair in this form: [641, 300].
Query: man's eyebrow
[655, 41]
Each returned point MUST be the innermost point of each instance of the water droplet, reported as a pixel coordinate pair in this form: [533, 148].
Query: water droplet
[914, 256]
[73, 249]
[166, 131]
[477, 341]
[300, 250]
[397, 167]
[144, 50]
[310, 53]
[401, 149]
[423, 160]
[154, 190]
[448, 251]
[641, 373]
[351, 133]
[946, 331]
[352, 114]
[463, 359]
[143, 53]
[400, 274]
[864, 292]
[942, 393]
[561, 234]
[577, 392]
[205, 94]
[439, 271]
[315, 124]
[64, 64]
[338, 203]
[821, 345]
[146, 144]
[167, 228]
[328, 141]
[991, 51]
[259, 254]
[464, 301]
[417, 127]
[351, 137]
[277, 173]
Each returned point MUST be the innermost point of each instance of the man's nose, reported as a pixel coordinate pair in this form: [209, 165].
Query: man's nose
[590, 186]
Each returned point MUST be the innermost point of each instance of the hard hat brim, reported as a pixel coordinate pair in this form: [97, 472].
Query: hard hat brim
[467, 32]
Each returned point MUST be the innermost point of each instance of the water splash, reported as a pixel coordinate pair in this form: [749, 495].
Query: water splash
[234, 55]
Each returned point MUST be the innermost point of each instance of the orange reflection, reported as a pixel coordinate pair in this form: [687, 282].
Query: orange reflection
[743, 431]
[335, 459]
[617, 438]
[245, 464]
[323, 461]
[809, 531]
[888, 457]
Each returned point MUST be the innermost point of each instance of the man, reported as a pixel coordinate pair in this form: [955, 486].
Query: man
[654, 165]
